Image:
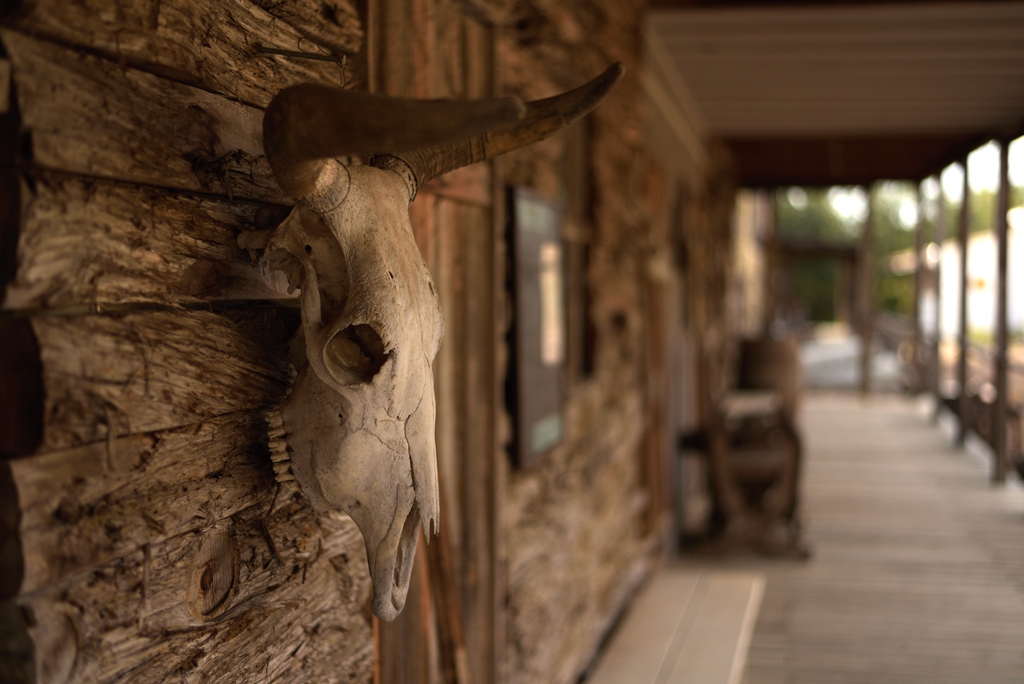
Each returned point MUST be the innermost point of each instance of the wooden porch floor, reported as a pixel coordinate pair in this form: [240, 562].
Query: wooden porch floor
[917, 573]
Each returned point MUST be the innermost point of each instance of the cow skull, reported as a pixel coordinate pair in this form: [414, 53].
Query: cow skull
[359, 423]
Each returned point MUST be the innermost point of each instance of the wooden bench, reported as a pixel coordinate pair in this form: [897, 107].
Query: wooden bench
[684, 627]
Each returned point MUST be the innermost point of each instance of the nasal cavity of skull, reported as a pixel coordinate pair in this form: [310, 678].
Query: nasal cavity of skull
[398, 566]
[357, 352]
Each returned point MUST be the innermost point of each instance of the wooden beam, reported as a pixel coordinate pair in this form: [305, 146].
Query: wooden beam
[865, 268]
[845, 160]
[915, 348]
[961, 369]
[192, 238]
[214, 45]
[494, 484]
[153, 370]
[89, 116]
[999, 421]
[940, 238]
[771, 269]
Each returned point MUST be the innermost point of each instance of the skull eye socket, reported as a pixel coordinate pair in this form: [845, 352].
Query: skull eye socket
[356, 352]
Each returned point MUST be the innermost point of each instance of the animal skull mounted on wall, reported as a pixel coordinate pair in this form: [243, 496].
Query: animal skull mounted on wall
[359, 423]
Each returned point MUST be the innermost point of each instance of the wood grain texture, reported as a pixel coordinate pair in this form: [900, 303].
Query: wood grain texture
[212, 45]
[85, 506]
[145, 539]
[452, 222]
[257, 597]
[330, 24]
[573, 534]
[95, 242]
[479, 500]
[573, 527]
[92, 117]
[148, 371]
[917, 558]
[161, 101]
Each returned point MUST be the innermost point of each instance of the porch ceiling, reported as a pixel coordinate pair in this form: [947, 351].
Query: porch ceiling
[821, 93]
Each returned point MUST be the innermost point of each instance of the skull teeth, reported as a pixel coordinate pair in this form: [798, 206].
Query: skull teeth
[279, 452]
[285, 477]
[275, 423]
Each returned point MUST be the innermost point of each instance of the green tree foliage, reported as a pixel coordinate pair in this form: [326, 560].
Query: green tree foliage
[813, 284]
[894, 226]
[814, 220]
[809, 215]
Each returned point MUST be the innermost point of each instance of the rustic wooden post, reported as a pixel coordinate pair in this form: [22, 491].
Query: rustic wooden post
[771, 265]
[999, 421]
[916, 337]
[490, 480]
[961, 369]
[940, 239]
[864, 259]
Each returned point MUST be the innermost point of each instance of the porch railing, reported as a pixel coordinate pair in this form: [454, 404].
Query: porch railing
[932, 367]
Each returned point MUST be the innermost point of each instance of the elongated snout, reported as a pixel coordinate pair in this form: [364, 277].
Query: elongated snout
[390, 555]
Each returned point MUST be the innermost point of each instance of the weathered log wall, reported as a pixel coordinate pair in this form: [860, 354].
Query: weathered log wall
[143, 535]
[576, 525]
[149, 541]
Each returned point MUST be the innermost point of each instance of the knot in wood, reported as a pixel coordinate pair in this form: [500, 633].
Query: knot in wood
[214, 573]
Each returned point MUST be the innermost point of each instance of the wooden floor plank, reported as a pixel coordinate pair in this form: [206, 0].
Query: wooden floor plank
[715, 649]
[684, 628]
[918, 566]
[644, 639]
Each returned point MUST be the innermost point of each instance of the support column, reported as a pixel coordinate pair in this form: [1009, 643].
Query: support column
[916, 336]
[771, 265]
[940, 239]
[999, 420]
[864, 305]
[961, 368]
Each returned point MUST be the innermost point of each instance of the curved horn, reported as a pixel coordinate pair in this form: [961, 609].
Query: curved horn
[305, 125]
[543, 118]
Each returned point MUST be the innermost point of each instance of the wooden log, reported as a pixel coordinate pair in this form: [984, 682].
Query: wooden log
[82, 507]
[256, 597]
[92, 117]
[153, 370]
[94, 242]
[556, 616]
[213, 45]
[331, 24]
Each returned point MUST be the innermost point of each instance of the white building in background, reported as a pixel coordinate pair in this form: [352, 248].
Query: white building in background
[982, 277]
